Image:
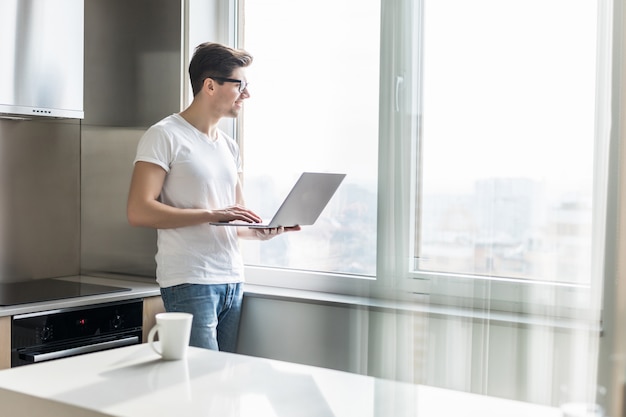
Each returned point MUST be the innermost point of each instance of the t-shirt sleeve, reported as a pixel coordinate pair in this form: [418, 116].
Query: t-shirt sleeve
[155, 147]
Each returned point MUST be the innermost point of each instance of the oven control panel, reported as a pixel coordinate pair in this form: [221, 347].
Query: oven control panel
[36, 335]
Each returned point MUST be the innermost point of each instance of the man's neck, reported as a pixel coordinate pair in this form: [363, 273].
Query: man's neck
[200, 120]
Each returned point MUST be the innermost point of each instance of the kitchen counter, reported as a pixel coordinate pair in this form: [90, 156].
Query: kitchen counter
[134, 382]
[138, 288]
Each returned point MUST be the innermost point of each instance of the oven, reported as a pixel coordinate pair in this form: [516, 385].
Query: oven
[54, 334]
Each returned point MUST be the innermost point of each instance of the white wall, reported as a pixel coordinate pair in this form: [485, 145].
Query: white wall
[539, 363]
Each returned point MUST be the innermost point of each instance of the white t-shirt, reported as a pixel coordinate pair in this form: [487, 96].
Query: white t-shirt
[200, 174]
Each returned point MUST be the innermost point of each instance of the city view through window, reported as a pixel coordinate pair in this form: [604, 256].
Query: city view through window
[508, 125]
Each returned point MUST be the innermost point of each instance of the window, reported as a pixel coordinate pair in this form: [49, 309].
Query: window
[314, 107]
[509, 127]
[474, 136]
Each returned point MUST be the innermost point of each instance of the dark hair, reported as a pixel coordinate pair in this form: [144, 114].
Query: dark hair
[217, 60]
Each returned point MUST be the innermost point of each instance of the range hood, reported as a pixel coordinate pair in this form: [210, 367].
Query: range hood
[41, 58]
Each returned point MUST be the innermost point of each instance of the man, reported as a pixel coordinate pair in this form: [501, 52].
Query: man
[186, 174]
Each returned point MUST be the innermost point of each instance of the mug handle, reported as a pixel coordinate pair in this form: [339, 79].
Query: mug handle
[151, 335]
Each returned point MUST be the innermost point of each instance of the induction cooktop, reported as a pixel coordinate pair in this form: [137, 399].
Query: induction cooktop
[49, 289]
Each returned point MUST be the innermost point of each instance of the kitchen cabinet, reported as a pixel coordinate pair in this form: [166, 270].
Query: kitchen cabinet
[151, 306]
[147, 290]
[5, 342]
[133, 61]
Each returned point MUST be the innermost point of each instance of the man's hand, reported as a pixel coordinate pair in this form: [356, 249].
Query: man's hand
[269, 233]
[235, 213]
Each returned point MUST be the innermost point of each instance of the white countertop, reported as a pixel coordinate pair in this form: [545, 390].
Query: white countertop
[134, 382]
[137, 288]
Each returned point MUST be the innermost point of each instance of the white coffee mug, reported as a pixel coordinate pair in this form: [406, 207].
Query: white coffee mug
[174, 331]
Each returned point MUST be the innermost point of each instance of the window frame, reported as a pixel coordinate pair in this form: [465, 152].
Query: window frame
[396, 178]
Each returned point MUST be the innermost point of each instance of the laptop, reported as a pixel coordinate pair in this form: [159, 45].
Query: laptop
[304, 203]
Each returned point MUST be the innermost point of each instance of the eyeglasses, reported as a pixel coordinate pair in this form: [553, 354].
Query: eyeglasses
[242, 84]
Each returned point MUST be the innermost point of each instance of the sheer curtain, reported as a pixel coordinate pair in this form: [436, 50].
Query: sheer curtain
[397, 338]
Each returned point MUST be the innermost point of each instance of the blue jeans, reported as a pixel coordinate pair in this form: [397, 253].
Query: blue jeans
[216, 310]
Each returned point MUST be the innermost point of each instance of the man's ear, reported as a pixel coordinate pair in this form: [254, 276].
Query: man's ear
[209, 84]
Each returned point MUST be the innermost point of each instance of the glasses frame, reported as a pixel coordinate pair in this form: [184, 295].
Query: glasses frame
[242, 84]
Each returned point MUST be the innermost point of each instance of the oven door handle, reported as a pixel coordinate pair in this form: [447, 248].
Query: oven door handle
[64, 353]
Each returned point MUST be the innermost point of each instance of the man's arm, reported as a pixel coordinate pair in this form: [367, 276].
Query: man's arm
[144, 209]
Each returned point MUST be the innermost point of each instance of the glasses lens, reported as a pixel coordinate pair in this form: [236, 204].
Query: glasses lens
[242, 86]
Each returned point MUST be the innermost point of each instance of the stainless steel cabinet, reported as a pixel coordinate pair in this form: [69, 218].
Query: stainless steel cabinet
[133, 61]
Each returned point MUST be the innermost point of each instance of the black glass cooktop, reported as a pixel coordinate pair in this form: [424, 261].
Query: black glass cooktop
[49, 289]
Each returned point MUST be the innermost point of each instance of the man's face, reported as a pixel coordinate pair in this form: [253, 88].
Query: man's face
[230, 98]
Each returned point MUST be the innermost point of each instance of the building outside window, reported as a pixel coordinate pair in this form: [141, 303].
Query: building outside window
[473, 135]
[475, 138]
